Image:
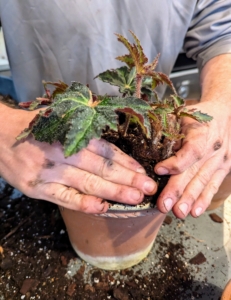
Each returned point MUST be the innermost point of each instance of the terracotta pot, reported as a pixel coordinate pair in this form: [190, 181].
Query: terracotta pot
[226, 295]
[118, 239]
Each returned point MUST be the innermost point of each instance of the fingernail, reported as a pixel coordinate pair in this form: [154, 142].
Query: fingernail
[168, 203]
[198, 211]
[135, 195]
[183, 208]
[149, 186]
[162, 171]
[141, 170]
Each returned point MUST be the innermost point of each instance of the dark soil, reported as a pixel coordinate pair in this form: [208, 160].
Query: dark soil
[35, 252]
[136, 144]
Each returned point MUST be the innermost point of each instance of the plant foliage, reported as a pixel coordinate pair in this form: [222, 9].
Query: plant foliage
[73, 115]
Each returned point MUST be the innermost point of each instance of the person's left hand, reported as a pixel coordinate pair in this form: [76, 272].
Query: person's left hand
[201, 164]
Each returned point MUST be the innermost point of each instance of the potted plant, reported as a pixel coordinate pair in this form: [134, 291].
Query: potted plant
[139, 123]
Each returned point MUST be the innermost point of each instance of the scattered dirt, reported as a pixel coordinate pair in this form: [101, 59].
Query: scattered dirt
[216, 218]
[35, 257]
[168, 220]
[198, 259]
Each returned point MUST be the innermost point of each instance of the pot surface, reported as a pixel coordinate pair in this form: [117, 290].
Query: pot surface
[117, 239]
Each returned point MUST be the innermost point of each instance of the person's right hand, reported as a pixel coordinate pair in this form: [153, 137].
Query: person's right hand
[80, 182]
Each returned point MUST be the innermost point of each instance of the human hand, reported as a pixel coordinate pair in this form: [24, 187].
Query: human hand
[201, 164]
[80, 182]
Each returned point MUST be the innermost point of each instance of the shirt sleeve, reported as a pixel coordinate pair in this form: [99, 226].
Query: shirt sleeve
[209, 33]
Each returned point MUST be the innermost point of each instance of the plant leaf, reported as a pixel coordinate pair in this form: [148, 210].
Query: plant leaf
[127, 59]
[142, 57]
[196, 115]
[73, 119]
[136, 56]
[178, 101]
[60, 87]
[122, 77]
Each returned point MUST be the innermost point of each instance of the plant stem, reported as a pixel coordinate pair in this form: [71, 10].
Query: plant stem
[138, 85]
[157, 137]
[169, 147]
[127, 121]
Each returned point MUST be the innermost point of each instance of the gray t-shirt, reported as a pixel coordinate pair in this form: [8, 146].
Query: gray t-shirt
[74, 39]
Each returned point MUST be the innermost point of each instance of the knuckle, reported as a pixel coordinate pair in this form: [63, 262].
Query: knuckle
[197, 150]
[73, 199]
[177, 168]
[203, 178]
[135, 178]
[66, 194]
[91, 183]
[105, 168]
[197, 153]
[213, 187]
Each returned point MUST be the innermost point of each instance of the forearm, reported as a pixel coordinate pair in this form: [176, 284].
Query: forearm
[216, 80]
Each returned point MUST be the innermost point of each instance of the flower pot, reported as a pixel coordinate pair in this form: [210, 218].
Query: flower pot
[118, 239]
[226, 295]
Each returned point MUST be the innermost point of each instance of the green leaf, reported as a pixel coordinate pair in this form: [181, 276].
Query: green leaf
[74, 118]
[60, 87]
[178, 100]
[164, 120]
[127, 59]
[136, 56]
[122, 77]
[164, 109]
[142, 57]
[196, 115]
[126, 43]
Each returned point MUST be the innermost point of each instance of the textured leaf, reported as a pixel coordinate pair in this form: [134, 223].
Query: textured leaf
[122, 77]
[164, 119]
[126, 43]
[163, 110]
[166, 79]
[154, 63]
[74, 119]
[140, 113]
[196, 115]
[31, 105]
[178, 100]
[127, 59]
[60, 87]
[136, 56]
[142, 57]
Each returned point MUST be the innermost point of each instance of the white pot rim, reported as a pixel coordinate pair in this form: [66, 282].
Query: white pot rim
[128, 211]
